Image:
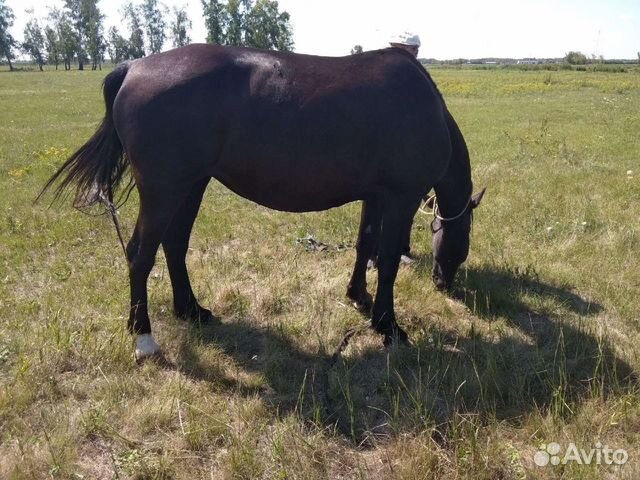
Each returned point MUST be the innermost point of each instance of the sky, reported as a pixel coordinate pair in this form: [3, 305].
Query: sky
[448, 28]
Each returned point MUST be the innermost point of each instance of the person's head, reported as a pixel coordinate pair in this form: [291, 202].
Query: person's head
[407, 41]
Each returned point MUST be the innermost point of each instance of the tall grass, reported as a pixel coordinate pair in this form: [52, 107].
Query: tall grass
[538, 344]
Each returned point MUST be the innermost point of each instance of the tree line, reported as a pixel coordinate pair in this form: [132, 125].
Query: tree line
[76, 33]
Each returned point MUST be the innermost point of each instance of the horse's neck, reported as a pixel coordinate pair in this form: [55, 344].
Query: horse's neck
[453, 194]
[455, 188]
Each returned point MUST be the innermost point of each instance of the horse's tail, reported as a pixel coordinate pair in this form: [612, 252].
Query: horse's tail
[98, 166]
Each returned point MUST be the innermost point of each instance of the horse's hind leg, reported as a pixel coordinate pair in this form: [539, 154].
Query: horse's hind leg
[368, 234]
[175, 244]
[155, 214]
[397, 214]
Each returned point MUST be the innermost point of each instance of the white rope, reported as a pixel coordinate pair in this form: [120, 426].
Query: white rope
[436, 210]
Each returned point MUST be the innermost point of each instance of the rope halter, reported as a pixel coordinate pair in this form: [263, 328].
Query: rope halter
[436, 210]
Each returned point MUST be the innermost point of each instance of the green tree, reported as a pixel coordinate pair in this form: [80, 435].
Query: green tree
[241, 22]
[268, 28]
[236, 22]
[215, 20]
[154, 25]
[118, 46]
[96, 43]
[52, 43]
[136, 39]
[33, 43]
[180, 26]
[74, 13]
[284, 36]
[68, 42]
[356, 49]
[87, 21]
[575, 58]
[7, 42]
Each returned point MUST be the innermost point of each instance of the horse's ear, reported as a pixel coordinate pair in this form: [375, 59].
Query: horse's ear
[430, 202]
[475, 200]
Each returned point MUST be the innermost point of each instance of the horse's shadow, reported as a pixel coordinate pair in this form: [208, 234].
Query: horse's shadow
[506, 287]
[542, 362]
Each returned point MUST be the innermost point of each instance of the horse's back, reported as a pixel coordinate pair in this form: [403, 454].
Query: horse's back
[293, 132]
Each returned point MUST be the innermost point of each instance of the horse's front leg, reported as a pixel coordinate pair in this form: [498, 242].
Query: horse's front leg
[368, 234]
[397, 215]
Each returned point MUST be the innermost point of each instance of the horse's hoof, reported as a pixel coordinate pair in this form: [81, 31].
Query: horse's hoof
[196, 314]
[397, 337]
[363, 303]
[406, 260]
[146, 347]
[363, 307]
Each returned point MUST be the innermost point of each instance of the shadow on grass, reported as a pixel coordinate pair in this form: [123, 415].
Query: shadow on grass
[282, 366]
[501, 290]
[550, 364]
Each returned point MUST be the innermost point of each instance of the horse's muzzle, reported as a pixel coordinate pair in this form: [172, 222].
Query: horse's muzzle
[440, 283]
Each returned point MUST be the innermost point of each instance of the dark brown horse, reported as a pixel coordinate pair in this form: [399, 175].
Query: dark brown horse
[296, 133]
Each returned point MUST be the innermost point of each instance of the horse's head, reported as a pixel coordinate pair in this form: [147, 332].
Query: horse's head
[450, 241]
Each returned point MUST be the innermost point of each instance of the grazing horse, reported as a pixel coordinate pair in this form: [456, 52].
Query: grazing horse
[296, 133]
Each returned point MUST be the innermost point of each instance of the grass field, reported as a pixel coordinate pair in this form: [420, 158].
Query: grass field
[540, 344]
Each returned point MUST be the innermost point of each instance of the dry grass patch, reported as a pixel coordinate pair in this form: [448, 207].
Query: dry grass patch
[537, 344]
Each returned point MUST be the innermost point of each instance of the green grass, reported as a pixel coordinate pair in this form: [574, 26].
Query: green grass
[540, 343]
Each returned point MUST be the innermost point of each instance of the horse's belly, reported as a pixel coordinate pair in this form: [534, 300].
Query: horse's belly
[292, 190]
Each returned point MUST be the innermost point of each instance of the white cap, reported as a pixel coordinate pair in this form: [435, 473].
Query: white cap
[406, 38]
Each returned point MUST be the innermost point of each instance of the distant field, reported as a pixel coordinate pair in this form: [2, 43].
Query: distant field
[540, 344]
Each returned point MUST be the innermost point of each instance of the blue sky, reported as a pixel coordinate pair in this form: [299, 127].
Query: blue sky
[448, 29]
